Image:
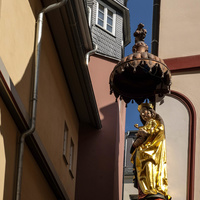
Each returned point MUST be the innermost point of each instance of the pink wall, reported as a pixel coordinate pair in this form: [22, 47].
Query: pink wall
[100, 155]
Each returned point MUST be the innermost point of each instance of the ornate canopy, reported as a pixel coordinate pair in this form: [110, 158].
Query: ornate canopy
[140, 75]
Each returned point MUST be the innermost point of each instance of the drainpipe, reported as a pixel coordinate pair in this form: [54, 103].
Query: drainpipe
[35, 91]
[87, 57]
[155, 27]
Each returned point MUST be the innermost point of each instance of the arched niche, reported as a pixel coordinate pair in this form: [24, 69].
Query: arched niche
[179, 117]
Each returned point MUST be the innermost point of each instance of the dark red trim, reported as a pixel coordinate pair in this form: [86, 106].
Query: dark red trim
[192, 139]
[183, 63]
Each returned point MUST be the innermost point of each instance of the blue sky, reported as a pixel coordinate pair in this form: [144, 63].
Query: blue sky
[140, 12]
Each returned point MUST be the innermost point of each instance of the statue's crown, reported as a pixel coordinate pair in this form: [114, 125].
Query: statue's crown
[148, 105]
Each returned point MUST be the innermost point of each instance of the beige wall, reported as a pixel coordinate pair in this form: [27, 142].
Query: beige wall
[9, 134]
[34, 185]
[0, 8]
[17, 29]
[179, 28]
[176, 119]
[187, 84]
[55, 107]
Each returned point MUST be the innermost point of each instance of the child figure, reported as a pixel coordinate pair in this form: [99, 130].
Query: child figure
[147, 116]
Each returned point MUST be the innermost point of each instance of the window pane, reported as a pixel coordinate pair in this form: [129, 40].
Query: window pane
[65, 143]
[101, 15]
[105, 17]
[71, 158]
[110, 14]
[100, 22]
[109, 21]
[109, 28]
[101, 8]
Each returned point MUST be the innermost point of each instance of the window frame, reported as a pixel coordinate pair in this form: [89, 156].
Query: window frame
[105, 20]
[65, 143]
[71, 158]
[131, 136]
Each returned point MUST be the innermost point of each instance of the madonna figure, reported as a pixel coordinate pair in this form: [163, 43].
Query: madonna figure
[149, 156]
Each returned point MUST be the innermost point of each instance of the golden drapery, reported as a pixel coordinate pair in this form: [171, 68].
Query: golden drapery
[150, 160]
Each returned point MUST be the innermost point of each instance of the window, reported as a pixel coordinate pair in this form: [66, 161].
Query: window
[133, 197]
[130, 192]
[106, 17]
[71, 158]
[65, 141]
[128, 166]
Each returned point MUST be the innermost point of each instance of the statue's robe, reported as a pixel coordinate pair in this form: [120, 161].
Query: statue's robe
[150, 161]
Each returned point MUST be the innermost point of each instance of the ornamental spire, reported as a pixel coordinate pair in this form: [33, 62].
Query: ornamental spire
[140, 34]
[140, 75]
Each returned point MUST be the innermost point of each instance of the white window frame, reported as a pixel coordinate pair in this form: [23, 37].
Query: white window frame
[106, 8]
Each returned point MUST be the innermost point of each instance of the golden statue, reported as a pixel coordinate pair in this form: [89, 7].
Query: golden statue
[149, 156]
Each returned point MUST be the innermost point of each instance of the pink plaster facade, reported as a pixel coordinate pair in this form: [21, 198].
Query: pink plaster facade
[100, 156]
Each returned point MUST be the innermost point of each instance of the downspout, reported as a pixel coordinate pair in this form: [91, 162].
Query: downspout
[89, 15]
[155, 27]
[35, 91]
[87, 57]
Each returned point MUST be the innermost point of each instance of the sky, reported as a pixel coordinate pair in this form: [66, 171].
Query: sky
[140, 12]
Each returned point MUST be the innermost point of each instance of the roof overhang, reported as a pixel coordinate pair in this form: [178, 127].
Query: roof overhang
[72, 37]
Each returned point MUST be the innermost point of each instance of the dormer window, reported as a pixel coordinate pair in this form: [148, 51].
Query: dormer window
[106, 17]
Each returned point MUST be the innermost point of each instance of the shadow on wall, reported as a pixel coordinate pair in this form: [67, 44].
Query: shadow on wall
[9, 141]
[10, 133]
[98, 151]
